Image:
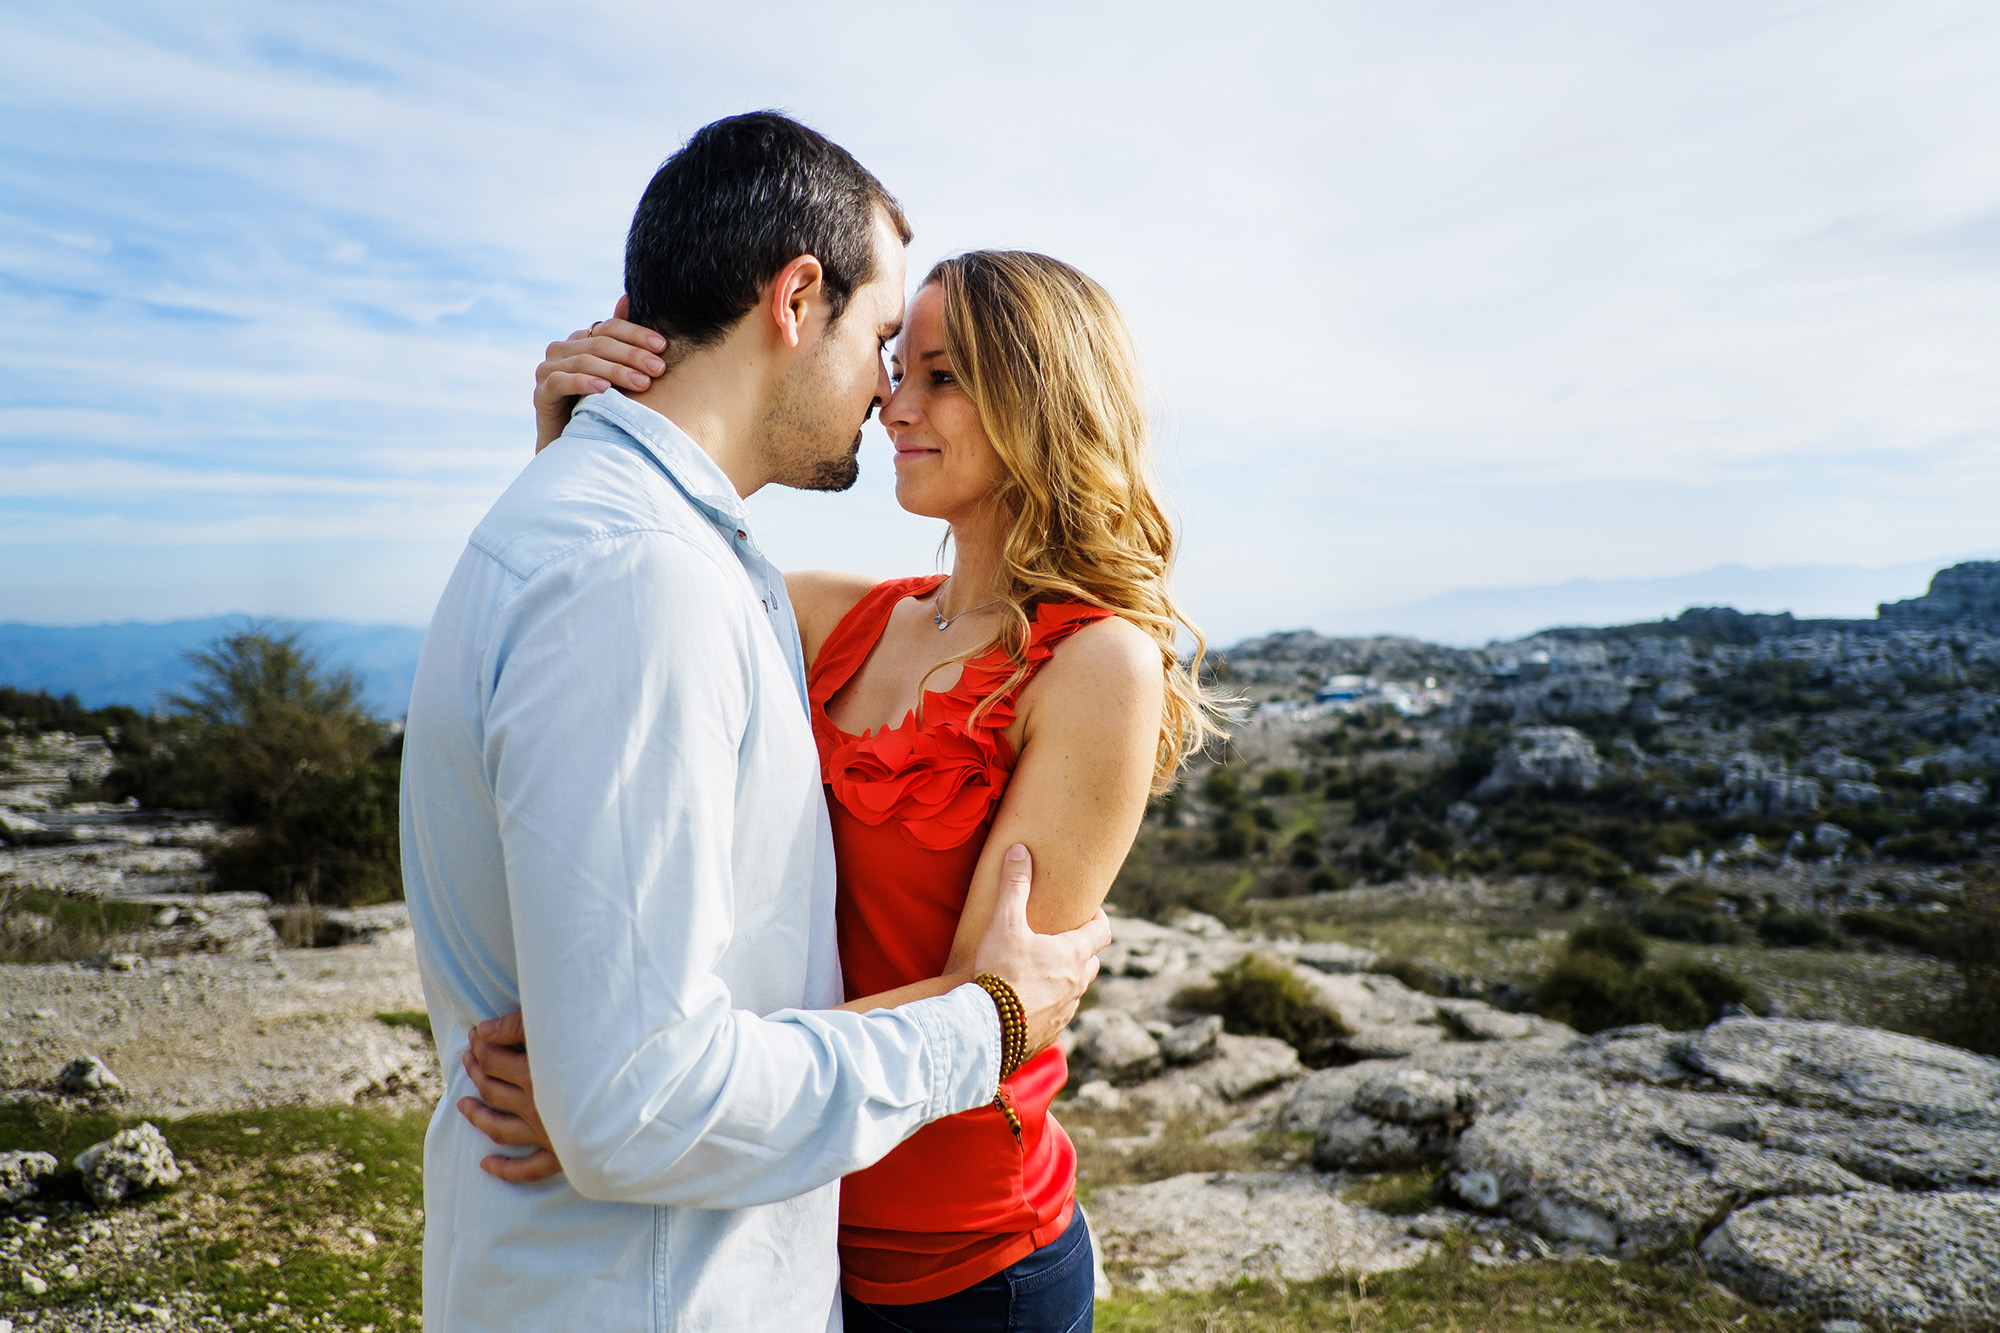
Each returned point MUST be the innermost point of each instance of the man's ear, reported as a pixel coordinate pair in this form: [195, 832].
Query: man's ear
[796, 288]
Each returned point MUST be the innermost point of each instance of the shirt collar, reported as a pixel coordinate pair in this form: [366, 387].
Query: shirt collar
[698, 476]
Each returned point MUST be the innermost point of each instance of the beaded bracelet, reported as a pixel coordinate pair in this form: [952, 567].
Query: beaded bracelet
[1013, 1041]
[1013, 1022]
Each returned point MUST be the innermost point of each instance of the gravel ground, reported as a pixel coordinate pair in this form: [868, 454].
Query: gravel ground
[219, 1032]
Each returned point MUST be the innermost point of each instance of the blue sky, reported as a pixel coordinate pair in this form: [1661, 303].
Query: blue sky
[1434, 296]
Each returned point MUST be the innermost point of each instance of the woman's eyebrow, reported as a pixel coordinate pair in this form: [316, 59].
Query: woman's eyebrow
[936, 351]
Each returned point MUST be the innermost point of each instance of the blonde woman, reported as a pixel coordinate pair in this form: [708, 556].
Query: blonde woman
[1033, 695]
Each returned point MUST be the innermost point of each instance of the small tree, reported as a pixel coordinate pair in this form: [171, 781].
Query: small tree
[279, 741]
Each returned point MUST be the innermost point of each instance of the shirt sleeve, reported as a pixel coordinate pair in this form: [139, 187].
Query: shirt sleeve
[619, 696]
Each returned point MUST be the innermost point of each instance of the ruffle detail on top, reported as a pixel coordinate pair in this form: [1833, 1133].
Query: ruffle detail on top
[937, 780]
[938, 783]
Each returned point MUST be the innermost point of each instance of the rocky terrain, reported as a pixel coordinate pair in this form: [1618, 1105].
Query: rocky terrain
[1841, 1170]
[1368, 1010]
[1821, 742]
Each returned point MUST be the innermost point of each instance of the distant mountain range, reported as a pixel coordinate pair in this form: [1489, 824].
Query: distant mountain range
[140, 664]
[1471, 617]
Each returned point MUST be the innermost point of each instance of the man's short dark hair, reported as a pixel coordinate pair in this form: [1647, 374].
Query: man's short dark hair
[743, 198]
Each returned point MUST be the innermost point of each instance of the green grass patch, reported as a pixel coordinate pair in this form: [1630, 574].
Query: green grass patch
[293, 1217]
[69, 928]
[1397, 1193]
[1451, 1292]
[1123, 1147]
[417, 1020]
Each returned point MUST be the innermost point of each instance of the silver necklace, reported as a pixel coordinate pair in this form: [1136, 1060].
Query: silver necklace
[943, 621]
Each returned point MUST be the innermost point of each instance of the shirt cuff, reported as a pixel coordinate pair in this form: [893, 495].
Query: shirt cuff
[962, 1031]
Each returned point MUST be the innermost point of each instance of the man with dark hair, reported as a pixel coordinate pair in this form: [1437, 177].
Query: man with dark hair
[612, 812]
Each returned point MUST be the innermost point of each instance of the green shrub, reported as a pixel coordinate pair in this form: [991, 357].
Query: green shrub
[1327, 881]
[1280, 782]
[1789, 930]
[1614, 939]
[1971, 943]
[1222, 787]
[1904, 928]
[1931, 846]
[1601, 982]
[274, 739]
[1588, 991]
[1258, 997]
[1681, 923]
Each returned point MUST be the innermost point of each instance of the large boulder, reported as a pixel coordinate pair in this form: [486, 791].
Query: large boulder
[1914, 1259]
[1200, 1231]
[1638, 1139]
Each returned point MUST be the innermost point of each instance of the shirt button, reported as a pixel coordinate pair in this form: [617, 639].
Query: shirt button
[742, 535]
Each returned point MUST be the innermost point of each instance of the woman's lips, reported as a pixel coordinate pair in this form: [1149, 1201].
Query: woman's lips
[903, 454]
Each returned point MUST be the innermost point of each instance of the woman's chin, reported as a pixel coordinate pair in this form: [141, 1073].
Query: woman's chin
[916, 499]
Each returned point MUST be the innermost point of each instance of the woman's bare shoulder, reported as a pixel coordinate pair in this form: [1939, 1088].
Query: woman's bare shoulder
[820, 597]
[1108, 662]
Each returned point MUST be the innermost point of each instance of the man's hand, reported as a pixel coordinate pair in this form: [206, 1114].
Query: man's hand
[1049, 972]
[610, 352]
[498, 1063]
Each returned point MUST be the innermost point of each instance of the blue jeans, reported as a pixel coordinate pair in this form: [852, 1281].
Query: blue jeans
[1050, 1291]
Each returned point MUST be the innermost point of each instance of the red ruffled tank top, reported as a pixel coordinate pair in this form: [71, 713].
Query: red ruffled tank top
[960, 1199]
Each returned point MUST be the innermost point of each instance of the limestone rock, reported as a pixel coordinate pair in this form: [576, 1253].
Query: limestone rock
[1387, 1041]
[1197, 1231]
[1369, 999]
[19, 1171]
[1192, 1042]
[1363, 1143]
[1548, 757]
[1332, 956]
[88, 1076]
[1115, 1046]
[1476, 1020]
[1907, 1259]
[1241, 1068]
[1413, 1097]
[126, 1163]
[1863, 1070]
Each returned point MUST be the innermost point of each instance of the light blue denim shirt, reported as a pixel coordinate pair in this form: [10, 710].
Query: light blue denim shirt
[613, 820]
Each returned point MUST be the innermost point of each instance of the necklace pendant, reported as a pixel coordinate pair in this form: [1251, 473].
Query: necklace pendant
[942, 621]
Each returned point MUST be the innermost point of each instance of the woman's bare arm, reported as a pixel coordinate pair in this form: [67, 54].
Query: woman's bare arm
[1090, 724]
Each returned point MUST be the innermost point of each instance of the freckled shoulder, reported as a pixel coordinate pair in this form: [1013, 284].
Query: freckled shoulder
[820, 597]
[1110, 664]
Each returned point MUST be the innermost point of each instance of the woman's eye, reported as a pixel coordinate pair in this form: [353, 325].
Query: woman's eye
[942, 377]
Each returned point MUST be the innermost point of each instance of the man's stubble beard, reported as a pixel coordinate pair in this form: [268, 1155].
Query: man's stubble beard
[797, 427]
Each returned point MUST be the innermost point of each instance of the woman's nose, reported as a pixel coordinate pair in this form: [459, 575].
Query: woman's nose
[899, 408]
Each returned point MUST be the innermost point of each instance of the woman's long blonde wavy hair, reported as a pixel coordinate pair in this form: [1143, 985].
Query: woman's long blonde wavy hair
[1045, 356]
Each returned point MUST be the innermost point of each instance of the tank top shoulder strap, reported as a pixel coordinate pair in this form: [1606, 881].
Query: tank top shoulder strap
[1056, 621]
[850, 641]
[1051, 623]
